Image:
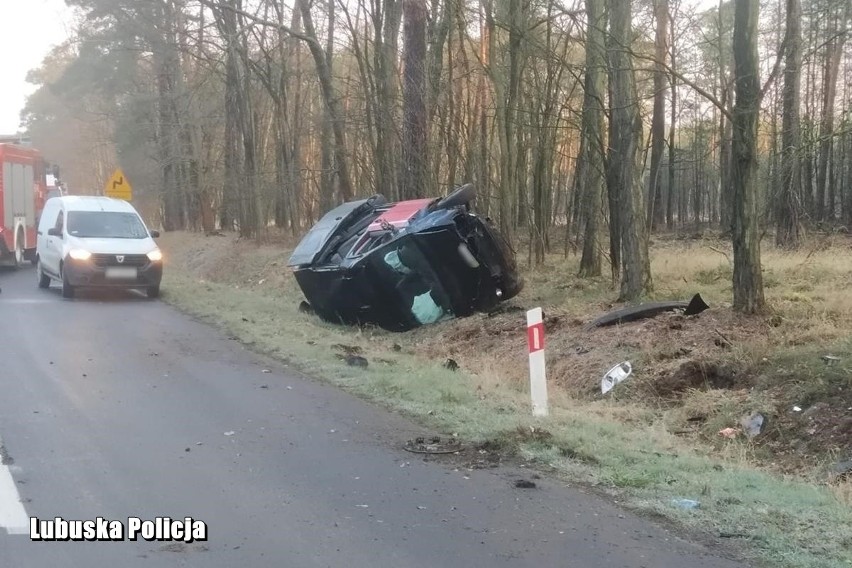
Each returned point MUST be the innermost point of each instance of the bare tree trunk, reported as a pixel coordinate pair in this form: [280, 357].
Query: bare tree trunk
[592, 134]
[240, 146]
[507, 93]
[789, 227]
[167, 65]
[697, 154]
[485, 51]
[724, 130]
[670, 193]
[545, 112]
[747, 280]
[833, 51]
[414, 129]
[250, 216]
[658, 121]
[332, 103]
[387, 17]
[326, 135]
[842, 188]
[439, 35]
[229, 209]
[809, 135]
[625, 135]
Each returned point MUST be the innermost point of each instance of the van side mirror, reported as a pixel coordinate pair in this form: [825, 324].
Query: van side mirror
[54, 232]
[155, 234]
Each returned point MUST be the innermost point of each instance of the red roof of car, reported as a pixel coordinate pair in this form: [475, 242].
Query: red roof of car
[399, 214]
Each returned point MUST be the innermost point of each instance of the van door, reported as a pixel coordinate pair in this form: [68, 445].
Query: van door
[52, 252]
[46, 220]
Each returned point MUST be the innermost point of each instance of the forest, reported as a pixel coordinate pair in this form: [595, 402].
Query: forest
[587, 126]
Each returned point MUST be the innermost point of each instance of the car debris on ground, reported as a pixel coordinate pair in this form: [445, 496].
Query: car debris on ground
[649, 310]
[753, 425]
[686, 503]
[406, 264]
[616, 375]
[355, 360]
[830, 359]
[729, 433]
[433, 445]
[842, 470]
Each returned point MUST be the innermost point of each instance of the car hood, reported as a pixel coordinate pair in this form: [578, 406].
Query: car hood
[121, 246]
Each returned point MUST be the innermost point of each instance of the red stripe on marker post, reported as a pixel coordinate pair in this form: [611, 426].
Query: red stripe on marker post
[538, 379]
[535, 337]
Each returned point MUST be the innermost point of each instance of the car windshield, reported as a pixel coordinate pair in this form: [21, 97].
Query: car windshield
[105, 225]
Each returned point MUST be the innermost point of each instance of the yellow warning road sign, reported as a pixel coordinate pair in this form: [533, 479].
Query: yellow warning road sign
[118, 186]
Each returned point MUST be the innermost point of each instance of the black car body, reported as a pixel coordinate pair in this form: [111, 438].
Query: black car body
[402, 265]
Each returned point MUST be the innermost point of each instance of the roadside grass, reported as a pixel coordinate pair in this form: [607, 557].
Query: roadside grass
[631, 447]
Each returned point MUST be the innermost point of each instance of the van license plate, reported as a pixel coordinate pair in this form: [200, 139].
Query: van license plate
[121, 272]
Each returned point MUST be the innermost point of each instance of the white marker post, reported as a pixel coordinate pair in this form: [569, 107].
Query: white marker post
[538, 379]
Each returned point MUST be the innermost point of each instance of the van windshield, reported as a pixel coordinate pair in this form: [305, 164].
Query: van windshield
[105, 225]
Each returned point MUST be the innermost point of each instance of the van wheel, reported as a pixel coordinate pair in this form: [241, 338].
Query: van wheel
[67, 288]
[153, 292]
[43, 279]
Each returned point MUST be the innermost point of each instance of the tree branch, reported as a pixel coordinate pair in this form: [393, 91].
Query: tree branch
[213, 5]
[688, 82]
[777, 67]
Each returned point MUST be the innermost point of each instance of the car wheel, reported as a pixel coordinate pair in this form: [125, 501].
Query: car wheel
[153, 291]
[67, 288]
[43, 279]
[461, 196]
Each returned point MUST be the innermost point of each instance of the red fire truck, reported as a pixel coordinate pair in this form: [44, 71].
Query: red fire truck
[22, 196]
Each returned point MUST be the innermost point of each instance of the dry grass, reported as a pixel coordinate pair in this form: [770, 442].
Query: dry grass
[843, 491]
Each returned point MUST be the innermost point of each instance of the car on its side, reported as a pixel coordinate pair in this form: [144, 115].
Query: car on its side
[98, 242]
[406, 264]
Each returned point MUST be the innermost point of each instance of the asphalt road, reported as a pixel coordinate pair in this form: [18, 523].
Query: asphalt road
[115, 406]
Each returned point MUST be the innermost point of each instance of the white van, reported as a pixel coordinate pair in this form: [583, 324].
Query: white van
[88, 241]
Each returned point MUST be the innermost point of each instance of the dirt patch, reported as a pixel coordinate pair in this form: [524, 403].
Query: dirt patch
[819, 434]
[701, 375]
[660, 349]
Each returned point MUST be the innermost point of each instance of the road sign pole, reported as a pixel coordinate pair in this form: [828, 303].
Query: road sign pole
[538, 379]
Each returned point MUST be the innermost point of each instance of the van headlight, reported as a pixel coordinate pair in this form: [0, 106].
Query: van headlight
[155, 255]
[79, 254]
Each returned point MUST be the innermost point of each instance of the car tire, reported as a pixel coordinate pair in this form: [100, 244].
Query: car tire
[67, 288]
[153, 292]
[463, 195]
[43, 279]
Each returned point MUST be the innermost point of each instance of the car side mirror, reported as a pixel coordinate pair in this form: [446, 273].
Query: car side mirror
[54, 232]
[155, 234]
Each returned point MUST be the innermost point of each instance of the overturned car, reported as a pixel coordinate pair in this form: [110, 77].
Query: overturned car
[406, 264]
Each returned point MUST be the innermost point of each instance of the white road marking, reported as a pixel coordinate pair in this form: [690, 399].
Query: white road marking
[13, 516]
[25, 301]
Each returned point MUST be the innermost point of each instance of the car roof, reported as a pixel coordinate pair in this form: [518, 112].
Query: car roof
[94, 203]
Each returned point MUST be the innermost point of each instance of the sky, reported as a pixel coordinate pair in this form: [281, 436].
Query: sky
[28, 30]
